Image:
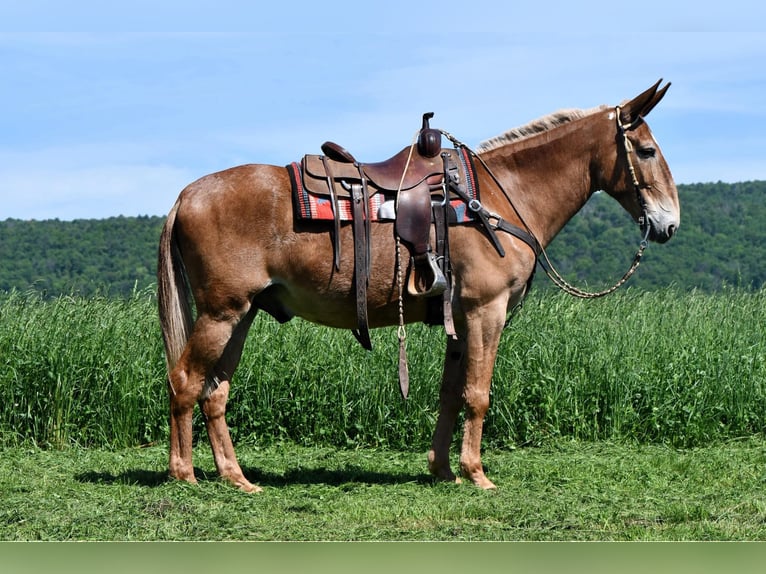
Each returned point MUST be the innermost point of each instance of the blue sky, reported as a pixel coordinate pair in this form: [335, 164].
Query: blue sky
[111, 110]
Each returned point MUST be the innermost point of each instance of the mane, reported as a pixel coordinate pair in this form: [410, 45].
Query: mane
[538, 126]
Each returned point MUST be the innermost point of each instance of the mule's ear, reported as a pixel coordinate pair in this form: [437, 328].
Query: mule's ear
[655, 100]
[633, 111]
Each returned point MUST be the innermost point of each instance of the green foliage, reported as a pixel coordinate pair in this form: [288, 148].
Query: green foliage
[659, 366]
[721, 241]
[80, 371]
[682, 365]
[114, 256]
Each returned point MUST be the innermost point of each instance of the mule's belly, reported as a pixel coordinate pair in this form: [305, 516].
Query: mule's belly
[304, 282]
[336, 309]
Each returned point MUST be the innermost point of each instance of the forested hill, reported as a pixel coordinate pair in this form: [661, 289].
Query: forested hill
[108, 256]
[721, 241]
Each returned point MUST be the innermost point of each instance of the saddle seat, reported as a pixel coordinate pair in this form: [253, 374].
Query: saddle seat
[386, 175]
[409, 180]
[405, 170]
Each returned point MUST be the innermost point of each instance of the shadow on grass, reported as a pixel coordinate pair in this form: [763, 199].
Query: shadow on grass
[131, 477]
[307, 476]
[334, 477]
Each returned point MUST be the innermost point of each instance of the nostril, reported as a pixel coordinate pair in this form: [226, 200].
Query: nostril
[671, 230]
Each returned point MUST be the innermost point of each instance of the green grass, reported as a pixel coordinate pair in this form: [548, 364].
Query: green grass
[567, 490]
[663, 367]
[80, 371]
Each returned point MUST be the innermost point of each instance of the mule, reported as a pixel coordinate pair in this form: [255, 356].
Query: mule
[232, 243]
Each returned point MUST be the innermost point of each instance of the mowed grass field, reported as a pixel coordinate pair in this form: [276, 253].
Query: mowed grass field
[566, 490]
[638, 416]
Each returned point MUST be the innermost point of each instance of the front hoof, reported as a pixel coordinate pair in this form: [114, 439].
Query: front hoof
[188, 478]
[243, 484]
[447, 477]
[444, 474]
[478, 478]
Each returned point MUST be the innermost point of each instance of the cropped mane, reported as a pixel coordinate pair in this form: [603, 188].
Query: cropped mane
[536, 127]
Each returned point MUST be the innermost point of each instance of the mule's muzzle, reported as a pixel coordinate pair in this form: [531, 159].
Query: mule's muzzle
[661, 233]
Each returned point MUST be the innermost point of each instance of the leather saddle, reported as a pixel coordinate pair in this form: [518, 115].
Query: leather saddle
[417, 181]
[429, 188]
[412, 179]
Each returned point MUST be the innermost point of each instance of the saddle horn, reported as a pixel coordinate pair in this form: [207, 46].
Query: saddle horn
[429, 139]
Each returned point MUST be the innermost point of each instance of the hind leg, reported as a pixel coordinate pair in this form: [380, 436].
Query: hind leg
[213, 406]
[186, 384]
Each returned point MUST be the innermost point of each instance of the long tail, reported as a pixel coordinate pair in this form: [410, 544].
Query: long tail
[172, 293]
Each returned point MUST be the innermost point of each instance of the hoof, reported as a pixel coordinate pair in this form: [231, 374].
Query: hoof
[480, 480]
[243, 484]
[250, 488]
[444, 475]
[441, 470]
[486, 484]
[451, 478]
[188, 478]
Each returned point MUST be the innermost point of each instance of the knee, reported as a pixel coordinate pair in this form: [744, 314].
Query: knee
[476, 402]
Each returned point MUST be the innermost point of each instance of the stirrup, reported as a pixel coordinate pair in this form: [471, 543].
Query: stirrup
[425, 279]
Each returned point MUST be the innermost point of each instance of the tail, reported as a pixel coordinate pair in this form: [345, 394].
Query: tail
[172, 293]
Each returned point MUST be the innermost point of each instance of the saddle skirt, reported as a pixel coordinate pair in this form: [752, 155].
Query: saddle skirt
[312, 198]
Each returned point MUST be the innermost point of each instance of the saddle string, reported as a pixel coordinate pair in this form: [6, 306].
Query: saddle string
[556, 278]
[404, 375]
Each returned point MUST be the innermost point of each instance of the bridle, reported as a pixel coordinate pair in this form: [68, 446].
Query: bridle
[643, 221]
[622, 130]
[493, 222]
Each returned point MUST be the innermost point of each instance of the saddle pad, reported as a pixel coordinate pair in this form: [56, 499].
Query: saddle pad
[308, 205]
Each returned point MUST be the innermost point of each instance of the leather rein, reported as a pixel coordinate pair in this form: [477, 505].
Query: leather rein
[558, 280]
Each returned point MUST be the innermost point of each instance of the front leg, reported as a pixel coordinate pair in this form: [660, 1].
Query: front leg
[450, 403]
[483, 337]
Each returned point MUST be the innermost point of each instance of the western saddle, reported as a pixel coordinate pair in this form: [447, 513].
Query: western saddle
[419, 179]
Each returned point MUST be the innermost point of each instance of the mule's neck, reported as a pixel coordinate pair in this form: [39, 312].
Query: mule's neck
[548, 176]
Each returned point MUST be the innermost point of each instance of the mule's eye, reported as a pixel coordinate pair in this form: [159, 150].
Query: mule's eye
[646, 152]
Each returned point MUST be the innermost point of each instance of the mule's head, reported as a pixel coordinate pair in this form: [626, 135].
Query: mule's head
[640, 179]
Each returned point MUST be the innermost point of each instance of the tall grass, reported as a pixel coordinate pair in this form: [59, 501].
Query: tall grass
[76, 370]
[663, 366]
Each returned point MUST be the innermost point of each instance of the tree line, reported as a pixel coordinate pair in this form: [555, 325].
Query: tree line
[113, 256]
[721, 242]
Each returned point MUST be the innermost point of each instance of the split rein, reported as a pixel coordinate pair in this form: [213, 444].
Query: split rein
[570, 289]
[556, 278]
